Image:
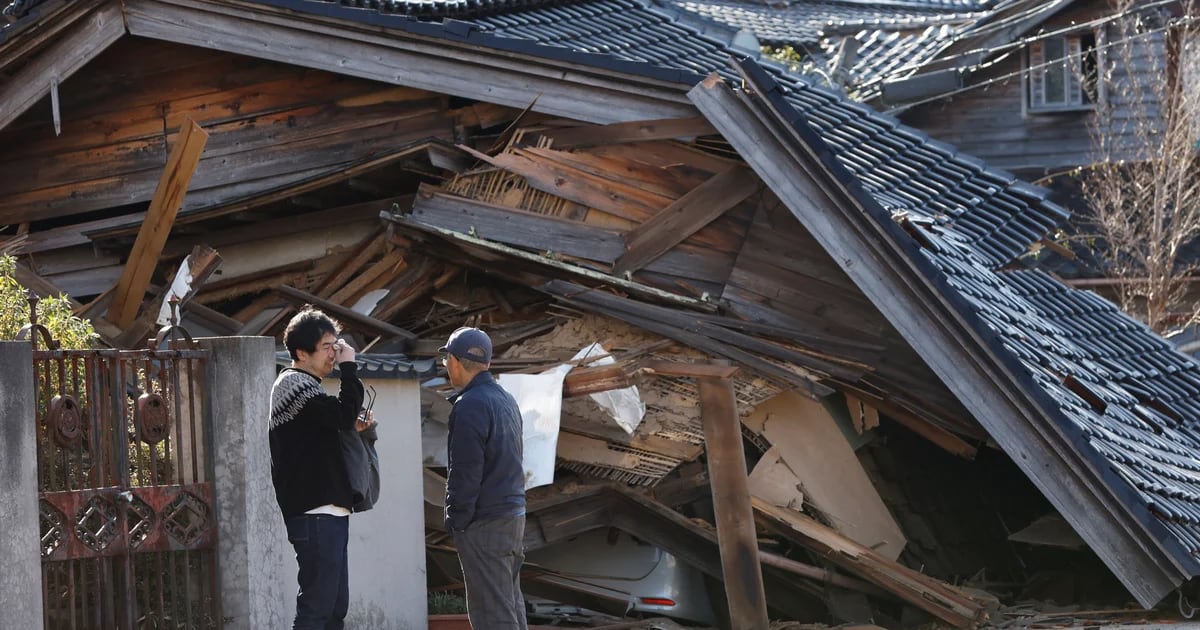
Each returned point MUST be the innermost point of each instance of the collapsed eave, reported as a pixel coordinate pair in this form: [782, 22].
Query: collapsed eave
[883, 261]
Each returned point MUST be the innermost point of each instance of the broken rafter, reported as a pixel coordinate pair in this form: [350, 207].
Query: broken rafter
[931, 595]
[552, 235]
[635, 131]
[680, 322]
[562, 180]
[152, 237]
[465, 240]
[593, 380]
[347, 316]
[675, 223]
[371, 278]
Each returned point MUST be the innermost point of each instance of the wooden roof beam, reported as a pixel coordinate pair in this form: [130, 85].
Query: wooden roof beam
[400, 56]
[347, 316]
[160, 217]
[624, 132]
[686, 216]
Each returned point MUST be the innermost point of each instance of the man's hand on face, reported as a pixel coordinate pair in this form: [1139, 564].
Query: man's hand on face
[342, 352]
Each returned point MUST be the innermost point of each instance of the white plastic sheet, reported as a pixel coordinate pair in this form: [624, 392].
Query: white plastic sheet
[625, 406]
[540, 398]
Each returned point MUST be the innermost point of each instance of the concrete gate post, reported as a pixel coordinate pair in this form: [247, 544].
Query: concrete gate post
[252, 545]
[21, 578]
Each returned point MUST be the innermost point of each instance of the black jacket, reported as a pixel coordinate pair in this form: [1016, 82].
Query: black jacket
[307, 465]
[486, 475]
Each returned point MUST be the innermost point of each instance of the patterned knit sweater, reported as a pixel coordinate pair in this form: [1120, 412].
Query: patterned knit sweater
[306, 457]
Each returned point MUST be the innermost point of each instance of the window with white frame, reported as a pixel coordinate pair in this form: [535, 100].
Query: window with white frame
[1063, 73]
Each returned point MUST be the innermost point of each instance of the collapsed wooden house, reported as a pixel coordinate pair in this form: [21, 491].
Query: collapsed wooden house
[522, 166]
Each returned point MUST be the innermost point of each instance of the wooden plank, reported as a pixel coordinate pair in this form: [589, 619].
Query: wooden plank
[160, 217]
[633, 131]
[292, 224]
[257, 197]
[685, 323]
[668, 182]
[399, 57]
[41, 287]
[933, 596]
[369, 279]
[359, 255]
[82, 43]
[808, 439]
[545, 233]
[731, 503]
[226, 288]
[654, 321]
[593, 380]
[694, 370]
[603, 194]
[347, 316]
[684, 217]
[226, 178]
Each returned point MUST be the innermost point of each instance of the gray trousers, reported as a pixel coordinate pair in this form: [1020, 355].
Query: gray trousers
[490, 552]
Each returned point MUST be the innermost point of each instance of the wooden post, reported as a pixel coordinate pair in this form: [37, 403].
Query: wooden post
[731, 501]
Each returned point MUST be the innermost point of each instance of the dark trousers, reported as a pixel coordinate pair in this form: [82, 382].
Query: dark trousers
[491, 554]
[320, 541]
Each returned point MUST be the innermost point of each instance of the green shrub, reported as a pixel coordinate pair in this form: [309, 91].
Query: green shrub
[444, 603]
[53, 312]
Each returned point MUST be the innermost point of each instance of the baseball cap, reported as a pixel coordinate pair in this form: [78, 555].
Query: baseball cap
[469, 343]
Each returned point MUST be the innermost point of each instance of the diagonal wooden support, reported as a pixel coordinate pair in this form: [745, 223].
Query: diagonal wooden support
[686, 216]
[152, 237]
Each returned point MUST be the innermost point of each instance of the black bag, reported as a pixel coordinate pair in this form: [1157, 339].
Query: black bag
[362, 466]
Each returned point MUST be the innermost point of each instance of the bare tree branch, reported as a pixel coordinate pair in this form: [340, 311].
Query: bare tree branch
[1143, 187]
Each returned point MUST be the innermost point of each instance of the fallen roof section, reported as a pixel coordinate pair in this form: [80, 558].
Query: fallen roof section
[1109, 464]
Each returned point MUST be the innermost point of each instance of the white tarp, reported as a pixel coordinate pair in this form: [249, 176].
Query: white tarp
[625, 406]
[540, 398]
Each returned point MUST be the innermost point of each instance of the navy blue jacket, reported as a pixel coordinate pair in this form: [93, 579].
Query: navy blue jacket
[485, 476]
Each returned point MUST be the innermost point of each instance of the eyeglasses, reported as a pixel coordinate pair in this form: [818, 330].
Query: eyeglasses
[446, 359]
[370, 392]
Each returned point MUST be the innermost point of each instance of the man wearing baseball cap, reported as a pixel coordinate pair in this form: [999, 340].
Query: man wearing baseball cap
[485, 483]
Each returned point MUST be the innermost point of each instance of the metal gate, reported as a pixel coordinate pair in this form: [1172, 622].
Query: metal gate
[128, 528]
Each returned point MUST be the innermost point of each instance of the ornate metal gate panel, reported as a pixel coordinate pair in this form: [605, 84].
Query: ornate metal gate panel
[125, 494]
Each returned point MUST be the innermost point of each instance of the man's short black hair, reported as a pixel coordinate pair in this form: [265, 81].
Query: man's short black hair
[307, 328]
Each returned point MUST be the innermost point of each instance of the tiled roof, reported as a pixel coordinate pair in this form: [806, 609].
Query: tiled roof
[1127, 399]
[17, 14]
[893, 52]
[378, 366]
[802, 23]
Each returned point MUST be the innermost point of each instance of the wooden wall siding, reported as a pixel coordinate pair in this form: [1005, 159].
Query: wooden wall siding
[988, 122]
[270, 124]
[783, 277]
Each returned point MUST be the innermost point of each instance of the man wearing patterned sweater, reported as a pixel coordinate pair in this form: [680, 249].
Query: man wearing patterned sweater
[311, 484]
